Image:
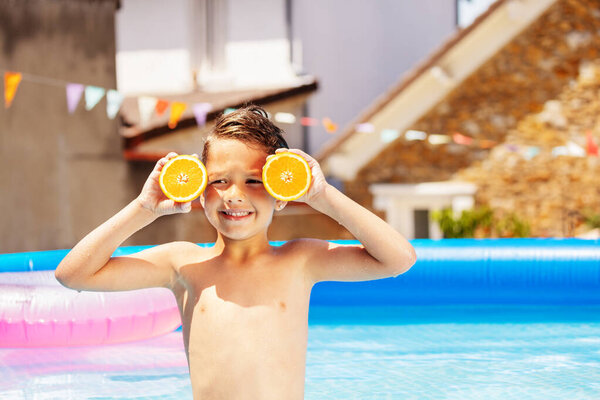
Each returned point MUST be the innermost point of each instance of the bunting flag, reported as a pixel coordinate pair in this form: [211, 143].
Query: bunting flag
[308, 121]
[438, 139]
[415, 135]
[462, 139]
[93, 95]
[11, 83]
[330, 127]
[177, 109]
[592, 146]
[74, 92]
[114, 100]
[365, 128]
[487, 144]
[575, 150]
[200, 111]
[531, 152]
[285, 118]
[161, 106]
[389, 135]
[146, 106]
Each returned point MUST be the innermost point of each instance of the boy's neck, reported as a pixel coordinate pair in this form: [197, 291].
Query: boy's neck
[239, 251]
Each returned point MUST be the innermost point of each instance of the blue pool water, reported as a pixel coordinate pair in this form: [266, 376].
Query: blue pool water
[396, 352]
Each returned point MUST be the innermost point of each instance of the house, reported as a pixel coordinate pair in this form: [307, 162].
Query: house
[500, 115]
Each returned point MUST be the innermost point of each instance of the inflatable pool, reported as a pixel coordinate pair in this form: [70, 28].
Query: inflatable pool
[36, 311]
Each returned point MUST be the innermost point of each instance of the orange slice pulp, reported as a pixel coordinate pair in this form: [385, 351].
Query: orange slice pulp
[183, 178]
[286, 176]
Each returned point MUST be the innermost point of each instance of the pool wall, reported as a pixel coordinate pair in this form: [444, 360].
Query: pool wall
[451, 271]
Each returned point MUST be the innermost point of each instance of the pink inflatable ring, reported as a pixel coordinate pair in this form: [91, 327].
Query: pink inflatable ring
[36, 311]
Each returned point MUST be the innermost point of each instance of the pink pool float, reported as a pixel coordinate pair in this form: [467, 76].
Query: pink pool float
[36, 311]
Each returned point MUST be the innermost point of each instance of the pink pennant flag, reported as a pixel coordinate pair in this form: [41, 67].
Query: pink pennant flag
[200, 112]
[74, 92]
[308, 121]
[592, 146]
[461, 139]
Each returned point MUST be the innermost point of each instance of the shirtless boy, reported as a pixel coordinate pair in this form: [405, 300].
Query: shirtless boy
[243, 303]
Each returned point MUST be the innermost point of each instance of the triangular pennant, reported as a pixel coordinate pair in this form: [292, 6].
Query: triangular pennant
[177, 109]
[308, 121]
[330, 127]
[114, 100]
[532, 151]
[161, 106]
[11, 83]
[200, 112]
[74, 92]
[93, 94]
[461, 139]
[592, 146]
[365, 127]
[575, 150]
[146, 106]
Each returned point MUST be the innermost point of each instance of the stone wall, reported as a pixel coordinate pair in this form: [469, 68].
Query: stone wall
[502, 101]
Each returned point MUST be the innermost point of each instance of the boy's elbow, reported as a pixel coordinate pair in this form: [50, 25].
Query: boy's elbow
[409, 258]
[64, 278]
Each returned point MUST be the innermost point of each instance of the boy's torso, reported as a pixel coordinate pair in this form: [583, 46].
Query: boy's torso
[245, 327]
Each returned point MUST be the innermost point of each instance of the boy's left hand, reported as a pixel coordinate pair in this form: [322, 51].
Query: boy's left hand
[318, 182]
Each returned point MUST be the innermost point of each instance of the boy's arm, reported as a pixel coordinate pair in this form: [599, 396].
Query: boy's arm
[89, 266]
[384, 251]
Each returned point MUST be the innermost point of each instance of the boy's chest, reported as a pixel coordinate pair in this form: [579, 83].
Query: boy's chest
[256, 289]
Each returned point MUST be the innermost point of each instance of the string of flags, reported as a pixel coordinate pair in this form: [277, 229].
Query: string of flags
[149, 106]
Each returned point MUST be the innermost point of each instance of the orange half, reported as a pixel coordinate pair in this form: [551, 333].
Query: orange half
[183, 178]
[286, 176]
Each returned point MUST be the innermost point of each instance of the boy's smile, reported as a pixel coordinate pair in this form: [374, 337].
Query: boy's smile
[235, 200]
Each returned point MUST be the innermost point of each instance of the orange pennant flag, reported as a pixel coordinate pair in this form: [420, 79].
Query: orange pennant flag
[592, 146]
[330, 127]
[11, 83]
[177, 109]
[161, 107]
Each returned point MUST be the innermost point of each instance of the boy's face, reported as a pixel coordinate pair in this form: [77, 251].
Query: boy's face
[235, 200]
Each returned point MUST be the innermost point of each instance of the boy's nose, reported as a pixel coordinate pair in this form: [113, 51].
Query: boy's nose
[234, 195]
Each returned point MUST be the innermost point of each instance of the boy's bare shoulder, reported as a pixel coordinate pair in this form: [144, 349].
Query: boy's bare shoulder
[180, 252]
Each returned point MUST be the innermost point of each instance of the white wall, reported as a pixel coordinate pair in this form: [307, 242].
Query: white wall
[153, 46]
[358, 49]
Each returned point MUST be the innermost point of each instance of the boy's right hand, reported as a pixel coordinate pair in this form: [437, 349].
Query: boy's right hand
[154, 200]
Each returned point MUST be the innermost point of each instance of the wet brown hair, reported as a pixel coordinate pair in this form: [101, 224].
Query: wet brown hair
[249, 124]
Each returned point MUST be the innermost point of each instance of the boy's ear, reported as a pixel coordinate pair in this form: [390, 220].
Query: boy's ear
[280, 205]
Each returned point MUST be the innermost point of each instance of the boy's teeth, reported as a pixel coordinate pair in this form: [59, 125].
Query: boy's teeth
[237, 214]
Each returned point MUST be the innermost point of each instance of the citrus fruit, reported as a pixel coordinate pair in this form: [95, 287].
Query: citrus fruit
[286, 176]
[183, 178]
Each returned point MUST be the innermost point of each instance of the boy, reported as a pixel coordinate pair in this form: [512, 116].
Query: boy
[243, 302]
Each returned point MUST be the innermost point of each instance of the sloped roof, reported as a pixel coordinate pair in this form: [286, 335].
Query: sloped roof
[428, 83]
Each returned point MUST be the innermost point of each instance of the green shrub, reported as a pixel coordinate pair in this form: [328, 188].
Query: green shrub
[479, 222]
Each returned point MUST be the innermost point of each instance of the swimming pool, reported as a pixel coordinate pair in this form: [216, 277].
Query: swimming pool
[472, 320]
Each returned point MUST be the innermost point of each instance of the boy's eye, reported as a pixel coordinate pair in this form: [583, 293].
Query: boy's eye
[218, 181]
[254, 181]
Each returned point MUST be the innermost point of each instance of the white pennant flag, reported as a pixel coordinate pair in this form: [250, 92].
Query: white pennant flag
[114, 100]
[146, 106]
[93, 94]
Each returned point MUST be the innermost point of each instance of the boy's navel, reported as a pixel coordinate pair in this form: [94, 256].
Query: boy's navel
[282, 306]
